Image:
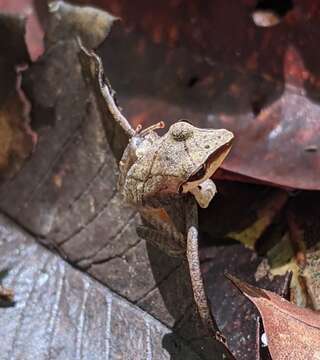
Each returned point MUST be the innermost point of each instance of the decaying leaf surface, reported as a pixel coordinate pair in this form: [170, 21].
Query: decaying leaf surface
[236, 317]
[63, 120]
[16, 139]
[68, 21]
[292, 332]
[16, 143]
[61, 313]
[66, 192]
[117, 128]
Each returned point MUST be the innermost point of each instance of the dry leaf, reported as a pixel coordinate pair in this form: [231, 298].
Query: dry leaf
[16, 137]
[292, 332]
[186, 61]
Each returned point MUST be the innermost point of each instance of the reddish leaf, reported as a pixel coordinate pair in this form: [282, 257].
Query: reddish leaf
[235, 316]
[292, 332]
[34, 32]
[182, 59]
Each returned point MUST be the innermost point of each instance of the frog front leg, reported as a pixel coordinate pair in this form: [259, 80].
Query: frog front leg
[204, 192]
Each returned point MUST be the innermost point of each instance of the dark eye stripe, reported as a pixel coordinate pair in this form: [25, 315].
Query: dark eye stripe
[198, 175]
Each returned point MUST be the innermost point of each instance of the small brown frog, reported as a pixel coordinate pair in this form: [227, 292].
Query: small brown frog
[156, 171]
[164, 177]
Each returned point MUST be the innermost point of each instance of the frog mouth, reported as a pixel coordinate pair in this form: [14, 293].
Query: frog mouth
[210, 166]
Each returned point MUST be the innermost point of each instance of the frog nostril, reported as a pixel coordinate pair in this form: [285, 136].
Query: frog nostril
[207, 147]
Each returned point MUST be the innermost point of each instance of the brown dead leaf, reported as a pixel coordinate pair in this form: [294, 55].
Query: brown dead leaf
[16, 137]
[292, 332]
[16, 144]
[62, 313]
[186, 61]
[77, 21]
[111, 116]
[236, 317]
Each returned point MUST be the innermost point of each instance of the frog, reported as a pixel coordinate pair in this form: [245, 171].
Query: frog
[165, 177]
[157, 171]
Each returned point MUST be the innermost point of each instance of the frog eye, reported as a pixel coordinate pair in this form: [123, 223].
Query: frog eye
[199, 174]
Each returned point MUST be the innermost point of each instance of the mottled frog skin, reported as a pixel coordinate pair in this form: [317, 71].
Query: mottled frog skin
[179, 161]
[156, 173]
